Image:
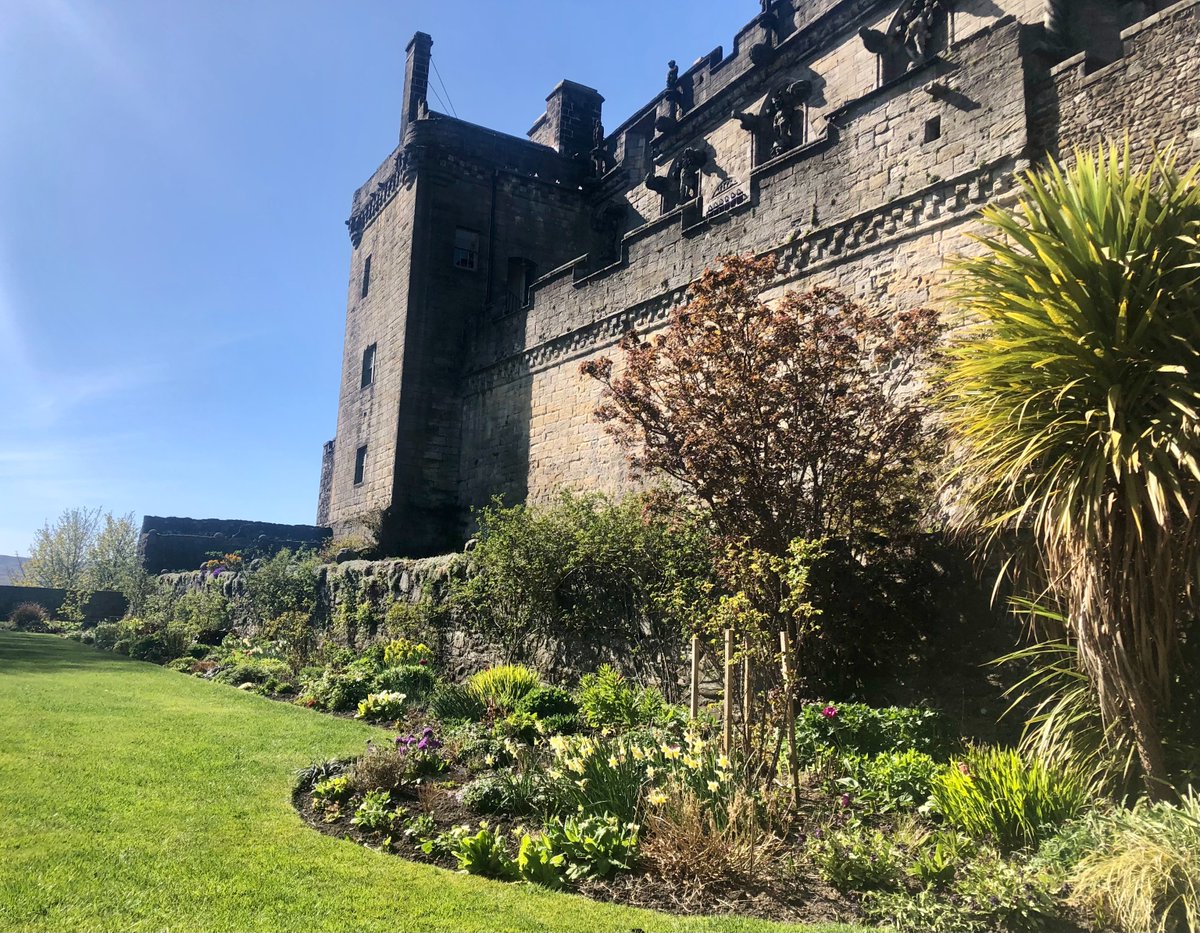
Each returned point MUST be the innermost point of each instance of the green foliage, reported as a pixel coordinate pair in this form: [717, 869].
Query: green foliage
[455, 703]
[401, 652]
[333, 789]
[320, 770]
[501, 688]
[538, 863]
[338, 690]
[1015, 800]
[84, 549]
[1144, 873]
[375, 813]
[637, 569]
[606, 698]
[484, 853]
[938, 857]
[595, 776]
[29, 617]
[488, 794]
[544, 702]
[592, 846]
[380, 707]
[856, 728]
[416, 681]
[857, 859]
[1073, 403]
[888, 781]
[270, 675]
[283, 583]
[524, 727]
[107, 634]
[988, 893]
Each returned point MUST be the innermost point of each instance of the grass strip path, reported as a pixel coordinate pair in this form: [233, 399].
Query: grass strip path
[136, 798]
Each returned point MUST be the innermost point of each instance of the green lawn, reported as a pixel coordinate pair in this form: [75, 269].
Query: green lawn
[135, 798]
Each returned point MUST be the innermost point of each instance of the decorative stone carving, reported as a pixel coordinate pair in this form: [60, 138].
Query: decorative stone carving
[688, 166]
[913, 36]
[779, 126]
[608, 222]
[672, 75]
[601, 160]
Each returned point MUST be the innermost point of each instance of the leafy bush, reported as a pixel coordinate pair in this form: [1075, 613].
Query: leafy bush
[29, 617]
[320, 770]
[380, 707]
[375, 813]
[107, 634]
[594, 777]
[988, 893]
[391, 766]
[997, 794]
[401, 652]
[484, 853]
[152, 648]
[606, 698]
[538, 863]
[592, 846]
[636, 569]
[414, 680]
[333, 789]
[523, 727]
[502, 687]
[888, 781]
[856, 728]
[271, 675]
[339, 691]
[487, 794]
[857, 859]
[454, 702]
[1145, 872]
[544, 702]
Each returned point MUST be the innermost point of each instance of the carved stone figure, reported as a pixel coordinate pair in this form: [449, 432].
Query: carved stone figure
[689, 165]
[911, 35]
[672, 75]
[601, 160]
[782, 107]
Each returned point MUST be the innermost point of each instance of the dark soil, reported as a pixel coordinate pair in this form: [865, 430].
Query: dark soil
[789, 899]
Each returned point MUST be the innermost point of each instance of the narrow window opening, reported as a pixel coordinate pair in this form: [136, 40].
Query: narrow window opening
[520, 281]
[360, 464]
[366, 278]
[466, 249]
[933, 129]
[368, 366]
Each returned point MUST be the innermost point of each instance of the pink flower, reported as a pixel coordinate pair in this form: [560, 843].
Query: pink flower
[845, 799]
[829, 712]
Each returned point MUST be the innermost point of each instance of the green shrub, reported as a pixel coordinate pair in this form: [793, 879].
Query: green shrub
[988, 893]
[522, 727]
[594, 776]
[402, 652]
[538, 863]
[857, 859]
[606, 698]
[339, 691]
[484, 853]
[454, 702]
[333, 789]
[380, 707]
[29, 617]
[488, 795]
[592, 846]
[107, 634]
[416, 681]
[320, 770]
[270, 675]
[390, 766]
[544, 702]
[855, 728]
[502, 687]
[937, 858]
[888, 781]
[152, 648]
[997, 794]
[375, 813]
[1144, 873]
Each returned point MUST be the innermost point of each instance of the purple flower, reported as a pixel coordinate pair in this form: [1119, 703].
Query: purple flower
[845, 800]
[829, 712]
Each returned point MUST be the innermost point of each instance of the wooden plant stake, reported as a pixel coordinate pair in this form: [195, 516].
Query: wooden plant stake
[727, 734]
[789, 713]
[694, 708]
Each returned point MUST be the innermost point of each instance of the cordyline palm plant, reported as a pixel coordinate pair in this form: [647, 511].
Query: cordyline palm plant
[1074, 402]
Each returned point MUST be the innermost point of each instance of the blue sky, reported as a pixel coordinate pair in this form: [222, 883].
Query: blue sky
[174, 178]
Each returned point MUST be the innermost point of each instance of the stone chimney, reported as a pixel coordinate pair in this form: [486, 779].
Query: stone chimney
[570, 121]
[416, 78]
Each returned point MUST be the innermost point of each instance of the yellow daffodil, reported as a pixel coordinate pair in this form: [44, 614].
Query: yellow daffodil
[657, 798]
[723, 761]
[713, 786]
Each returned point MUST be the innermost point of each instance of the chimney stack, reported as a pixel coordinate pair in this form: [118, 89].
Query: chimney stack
[416, 78]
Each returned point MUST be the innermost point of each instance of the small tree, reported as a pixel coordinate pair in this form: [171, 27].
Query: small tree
[795, 419]
[61, 551]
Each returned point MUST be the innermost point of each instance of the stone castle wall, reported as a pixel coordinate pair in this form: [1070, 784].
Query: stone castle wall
[880, 185]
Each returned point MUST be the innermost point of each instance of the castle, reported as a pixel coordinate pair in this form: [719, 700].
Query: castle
[851, 140]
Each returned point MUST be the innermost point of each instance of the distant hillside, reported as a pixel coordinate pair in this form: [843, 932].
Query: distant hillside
[10, 568]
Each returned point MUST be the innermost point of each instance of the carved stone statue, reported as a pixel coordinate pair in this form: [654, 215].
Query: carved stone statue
[672, 75]
[909, 40]
[600, 157]
[690, 163]
[782, 108]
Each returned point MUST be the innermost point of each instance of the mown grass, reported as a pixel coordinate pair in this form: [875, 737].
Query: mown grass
[135, 798]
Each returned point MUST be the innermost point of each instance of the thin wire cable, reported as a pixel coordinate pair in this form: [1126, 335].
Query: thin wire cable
[438, 98]
[445, 90]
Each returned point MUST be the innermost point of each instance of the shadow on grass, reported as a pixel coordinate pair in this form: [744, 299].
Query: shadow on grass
[22, 653]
